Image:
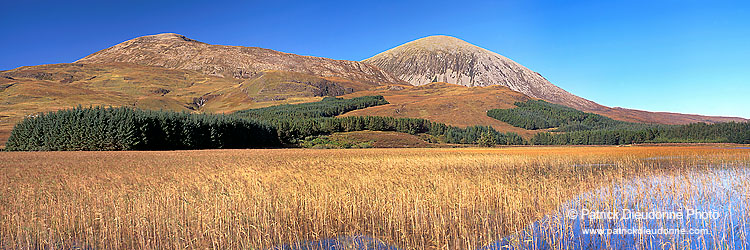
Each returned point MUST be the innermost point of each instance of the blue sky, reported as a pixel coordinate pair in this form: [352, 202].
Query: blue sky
[679, 56]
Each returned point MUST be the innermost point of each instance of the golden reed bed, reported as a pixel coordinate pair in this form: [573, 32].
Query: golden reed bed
[257, 199]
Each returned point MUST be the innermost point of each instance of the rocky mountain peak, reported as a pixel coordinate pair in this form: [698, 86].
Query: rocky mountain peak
[452, 60]
[166, 37]
[176, 51]
[438, 43]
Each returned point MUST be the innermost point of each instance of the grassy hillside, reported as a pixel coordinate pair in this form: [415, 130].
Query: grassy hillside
[31, 90]
[445, 103]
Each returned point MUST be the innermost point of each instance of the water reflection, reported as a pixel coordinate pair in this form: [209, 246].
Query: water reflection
[696, 210]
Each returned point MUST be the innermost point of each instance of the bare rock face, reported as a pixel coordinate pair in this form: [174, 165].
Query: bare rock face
[179, 52]
[449, 59]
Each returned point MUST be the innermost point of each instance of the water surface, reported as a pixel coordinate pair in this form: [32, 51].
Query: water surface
[705, 209]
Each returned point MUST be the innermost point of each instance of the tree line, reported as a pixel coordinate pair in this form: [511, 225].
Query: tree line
[294, 122]
[539, 114]
[328, 107]
[583, 128]
[293, 130]
[730, 132]
[125, 128]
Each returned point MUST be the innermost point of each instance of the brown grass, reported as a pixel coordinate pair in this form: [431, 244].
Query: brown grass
[446, 103]
[255, 199]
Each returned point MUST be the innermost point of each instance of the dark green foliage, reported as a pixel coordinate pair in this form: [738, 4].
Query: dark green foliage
[734, 132]
[132, 129]
[592, 129]
[476, 134]
[538, 114]
[486, 140]
[594, 137]
[292, 130]
[731, 132]
[328, 107]
[294, 122]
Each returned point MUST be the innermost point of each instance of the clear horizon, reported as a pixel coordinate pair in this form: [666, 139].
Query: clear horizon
[673, 56]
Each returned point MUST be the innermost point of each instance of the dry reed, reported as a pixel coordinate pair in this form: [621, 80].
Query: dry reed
[258, 199]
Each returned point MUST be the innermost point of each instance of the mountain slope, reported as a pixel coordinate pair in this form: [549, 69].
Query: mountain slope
[175, 51]
[640, 116]
[34, 89]
[451, 60]
[446, 103]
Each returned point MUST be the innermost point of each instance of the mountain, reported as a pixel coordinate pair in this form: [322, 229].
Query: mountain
[452, 60]
[176, 51]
